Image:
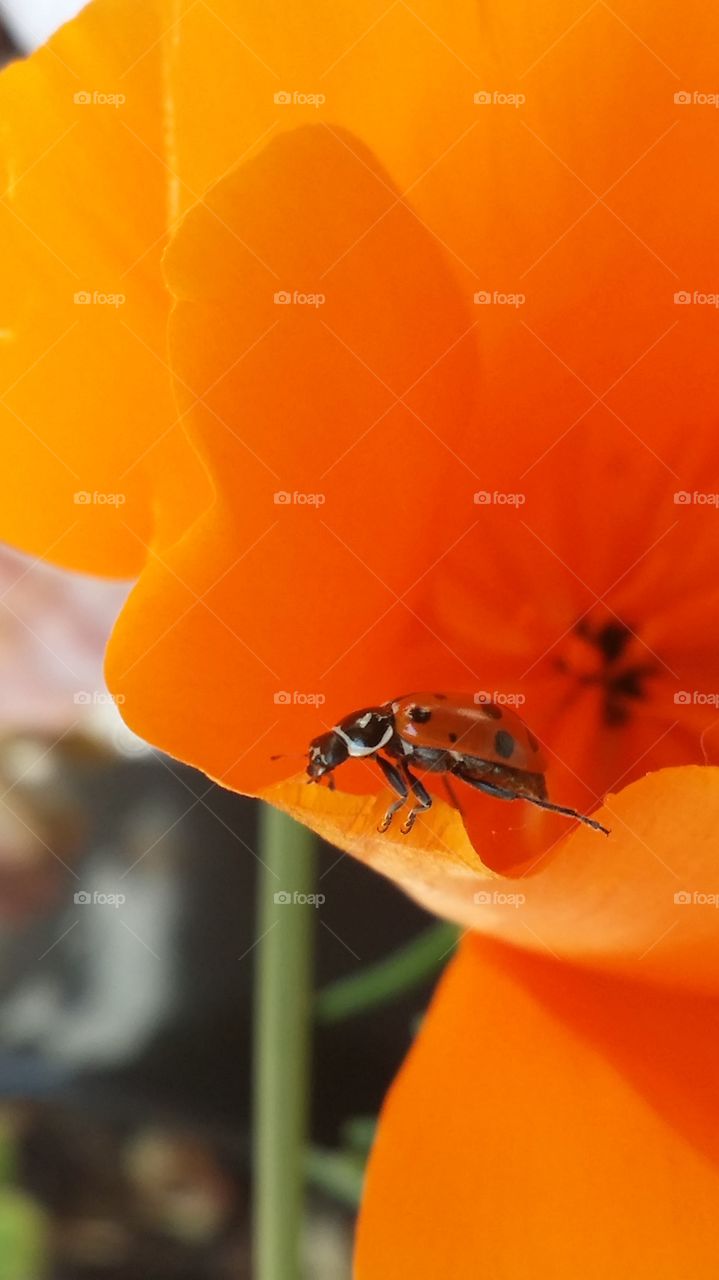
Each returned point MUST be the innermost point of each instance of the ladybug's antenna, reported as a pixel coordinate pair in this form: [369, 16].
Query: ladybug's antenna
[302, 755]
[569, 813]
[319, 781]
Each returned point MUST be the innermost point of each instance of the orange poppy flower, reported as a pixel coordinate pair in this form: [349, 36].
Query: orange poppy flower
[549, 1122]
[436, 412]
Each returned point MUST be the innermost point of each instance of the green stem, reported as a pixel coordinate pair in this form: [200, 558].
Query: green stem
[283, 995]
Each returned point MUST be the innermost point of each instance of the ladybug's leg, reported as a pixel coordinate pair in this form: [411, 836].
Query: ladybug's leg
[491, 789]
[421, 795]
[397, 782]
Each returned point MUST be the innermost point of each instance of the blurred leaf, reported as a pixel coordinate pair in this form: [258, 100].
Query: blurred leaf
[339, 1174]
[357, 1134]
[382, 983]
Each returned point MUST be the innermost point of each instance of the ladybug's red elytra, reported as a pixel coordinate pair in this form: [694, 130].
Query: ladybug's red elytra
[485, 745]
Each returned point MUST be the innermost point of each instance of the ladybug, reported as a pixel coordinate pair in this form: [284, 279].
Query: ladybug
[485, 745]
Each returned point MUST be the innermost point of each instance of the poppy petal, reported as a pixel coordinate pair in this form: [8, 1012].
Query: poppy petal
[642, 901]
[325, 415]
[91, 449]
[544, 1124]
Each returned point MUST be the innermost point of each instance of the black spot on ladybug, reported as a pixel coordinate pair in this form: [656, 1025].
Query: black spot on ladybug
[420, 715]
[491, 711]
[503, 744]
[532, 740]
[441, 697]
[452, 737]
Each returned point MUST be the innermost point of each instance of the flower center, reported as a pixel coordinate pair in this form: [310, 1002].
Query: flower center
[607, 654]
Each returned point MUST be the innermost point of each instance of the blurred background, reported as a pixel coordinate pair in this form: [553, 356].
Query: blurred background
[29, 22]
[127, 924]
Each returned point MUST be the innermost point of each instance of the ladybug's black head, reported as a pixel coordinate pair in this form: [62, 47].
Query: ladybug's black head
[325, 753]
[362, 733]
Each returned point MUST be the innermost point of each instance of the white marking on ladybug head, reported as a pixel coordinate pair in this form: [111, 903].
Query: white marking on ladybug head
[357, 748]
